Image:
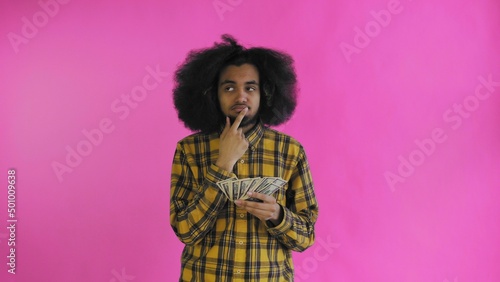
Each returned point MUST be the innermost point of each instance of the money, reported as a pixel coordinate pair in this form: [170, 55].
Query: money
[235, 189]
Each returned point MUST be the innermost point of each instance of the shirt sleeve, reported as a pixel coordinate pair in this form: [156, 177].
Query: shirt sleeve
[194, 206]
[296, 230]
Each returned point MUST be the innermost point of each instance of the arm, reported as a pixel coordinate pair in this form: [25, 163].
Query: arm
[296, 230]
[194, 209]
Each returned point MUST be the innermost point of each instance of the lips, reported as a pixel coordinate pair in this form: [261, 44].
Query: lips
[238, 108]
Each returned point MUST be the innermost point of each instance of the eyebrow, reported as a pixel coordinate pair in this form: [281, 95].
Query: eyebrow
[227, 81]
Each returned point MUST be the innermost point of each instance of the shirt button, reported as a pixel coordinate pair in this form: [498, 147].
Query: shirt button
[242, 161]
[240, 242]
[242, 215]
[238, 271]
[252, 148]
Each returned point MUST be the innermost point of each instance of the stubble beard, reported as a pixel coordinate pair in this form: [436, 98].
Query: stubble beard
[246, 120]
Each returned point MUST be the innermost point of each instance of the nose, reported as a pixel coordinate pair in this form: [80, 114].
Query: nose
[241, 95]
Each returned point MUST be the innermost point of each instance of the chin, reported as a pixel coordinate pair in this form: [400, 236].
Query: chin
[247, 120]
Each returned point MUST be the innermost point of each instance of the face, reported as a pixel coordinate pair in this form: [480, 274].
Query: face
[238, 88]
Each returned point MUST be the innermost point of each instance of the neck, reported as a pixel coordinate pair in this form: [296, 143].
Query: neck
[247, 127]
[246, 124]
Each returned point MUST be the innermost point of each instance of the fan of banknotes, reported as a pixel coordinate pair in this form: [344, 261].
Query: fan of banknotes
[237, 189]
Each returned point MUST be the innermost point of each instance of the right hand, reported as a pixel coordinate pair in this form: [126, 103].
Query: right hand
[232, 144]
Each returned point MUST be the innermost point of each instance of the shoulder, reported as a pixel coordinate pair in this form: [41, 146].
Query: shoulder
[278, 135]
[284, 140]
[196, 139]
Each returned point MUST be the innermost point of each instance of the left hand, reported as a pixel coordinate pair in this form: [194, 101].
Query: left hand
[267, 210]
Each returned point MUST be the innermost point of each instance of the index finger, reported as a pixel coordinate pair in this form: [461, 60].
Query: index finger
[239, 118]
[226, 128]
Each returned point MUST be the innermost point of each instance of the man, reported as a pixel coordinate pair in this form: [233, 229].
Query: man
[230, 95]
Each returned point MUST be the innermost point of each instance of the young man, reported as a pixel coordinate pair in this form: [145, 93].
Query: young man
[230, 95]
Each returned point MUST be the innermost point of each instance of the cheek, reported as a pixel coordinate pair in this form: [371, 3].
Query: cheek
[224, 107]
[221, 101]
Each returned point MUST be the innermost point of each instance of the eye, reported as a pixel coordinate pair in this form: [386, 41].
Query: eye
[251, 88]
[229, 88]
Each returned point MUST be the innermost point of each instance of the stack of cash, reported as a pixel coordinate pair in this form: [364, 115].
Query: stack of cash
[236, 189]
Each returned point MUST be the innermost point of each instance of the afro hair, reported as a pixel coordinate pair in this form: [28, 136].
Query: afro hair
[195, 90]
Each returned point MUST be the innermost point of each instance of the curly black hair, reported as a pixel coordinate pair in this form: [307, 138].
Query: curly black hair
[195, 91]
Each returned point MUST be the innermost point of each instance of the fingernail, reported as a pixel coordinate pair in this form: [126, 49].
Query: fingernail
[249, 193]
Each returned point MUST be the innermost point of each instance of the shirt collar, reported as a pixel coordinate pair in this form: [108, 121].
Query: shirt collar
[255, 134]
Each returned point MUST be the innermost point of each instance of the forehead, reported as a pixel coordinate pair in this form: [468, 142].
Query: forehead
[243, 73]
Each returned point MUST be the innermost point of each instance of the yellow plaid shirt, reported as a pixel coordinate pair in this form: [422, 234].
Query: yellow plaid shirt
[222, 241]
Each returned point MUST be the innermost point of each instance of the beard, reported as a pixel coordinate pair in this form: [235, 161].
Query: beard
[246, 120]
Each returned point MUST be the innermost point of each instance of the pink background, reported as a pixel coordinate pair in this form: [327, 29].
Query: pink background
[360, 117]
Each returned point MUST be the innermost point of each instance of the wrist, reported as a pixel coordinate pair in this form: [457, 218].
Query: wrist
[279, 218]
[228, 166]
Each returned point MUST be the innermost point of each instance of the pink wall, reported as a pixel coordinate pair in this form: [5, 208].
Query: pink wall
[396, 113]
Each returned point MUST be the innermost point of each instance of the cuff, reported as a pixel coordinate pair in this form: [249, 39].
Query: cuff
[213, 195]
[216, 174]
[284, 226]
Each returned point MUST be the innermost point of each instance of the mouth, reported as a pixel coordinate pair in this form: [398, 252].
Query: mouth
[239, 108]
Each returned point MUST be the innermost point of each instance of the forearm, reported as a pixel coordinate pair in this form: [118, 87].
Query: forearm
[296, 230]
[192, 220]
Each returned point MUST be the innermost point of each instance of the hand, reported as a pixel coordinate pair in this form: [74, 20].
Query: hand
[232, 144]
[267, 210]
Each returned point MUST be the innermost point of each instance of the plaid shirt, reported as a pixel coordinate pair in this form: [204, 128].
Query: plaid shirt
[224, 242]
